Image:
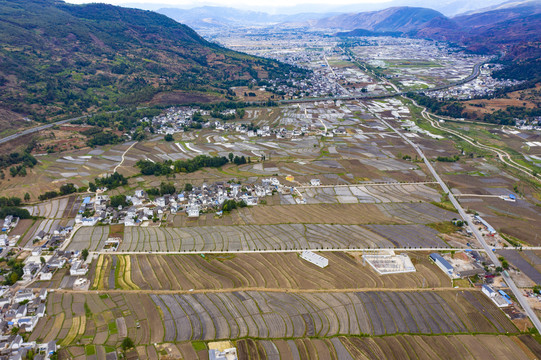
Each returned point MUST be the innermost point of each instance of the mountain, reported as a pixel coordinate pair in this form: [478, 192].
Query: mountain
[58, 58]
[395, 19]
[513, 28]
[204, 17]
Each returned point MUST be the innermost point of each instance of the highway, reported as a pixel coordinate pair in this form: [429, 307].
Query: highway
[38, 128]
[50, 125]
[518, 294]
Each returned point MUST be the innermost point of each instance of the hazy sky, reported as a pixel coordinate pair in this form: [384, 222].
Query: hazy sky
[233, 3]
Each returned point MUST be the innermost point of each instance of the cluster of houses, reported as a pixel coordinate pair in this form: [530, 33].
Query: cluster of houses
[43, 265]
[484, 85]
[19, 314]
[10, 222]
[208, 197]
[528, 124]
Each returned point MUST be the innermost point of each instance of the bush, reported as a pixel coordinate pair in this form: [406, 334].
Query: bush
[127, 343]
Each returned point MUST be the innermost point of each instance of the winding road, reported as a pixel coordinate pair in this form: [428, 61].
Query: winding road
[502, 154]
[516, 291]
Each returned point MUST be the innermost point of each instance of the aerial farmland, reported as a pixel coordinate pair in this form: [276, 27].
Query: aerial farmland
[204, 230]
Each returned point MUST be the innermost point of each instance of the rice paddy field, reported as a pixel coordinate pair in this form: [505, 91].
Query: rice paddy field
[102, 318]
[255, 271]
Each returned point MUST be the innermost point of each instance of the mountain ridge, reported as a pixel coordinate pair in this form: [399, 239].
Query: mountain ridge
[58, 59]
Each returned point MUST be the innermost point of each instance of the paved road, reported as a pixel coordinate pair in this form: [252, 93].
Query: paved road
[475, 73]
[47, 126]
[369, 250]
[38, 128]
[502, 154]
[518, 294]
[259, 289]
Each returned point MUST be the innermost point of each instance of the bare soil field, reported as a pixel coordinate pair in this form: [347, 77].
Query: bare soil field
[521, 347]
[528, 98]
[265, 315]
[290, 214]
[395, 347]
[270, 271]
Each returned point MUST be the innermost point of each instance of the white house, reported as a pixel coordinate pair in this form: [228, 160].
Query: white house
[46, 275]
[160, 201]
[78, 268]
[250, 200]
[16, 343]
[40, 312]
[496, 297]
[3, 240]
[227, 354]
[315, 182]
[192, 210]
[443, 265]
[22, 295]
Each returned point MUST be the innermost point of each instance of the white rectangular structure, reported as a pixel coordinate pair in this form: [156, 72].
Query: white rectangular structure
[390, 263]
[315, 258]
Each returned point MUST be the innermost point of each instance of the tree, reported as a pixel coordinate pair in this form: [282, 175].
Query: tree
[168, 137]
[27, 197]
[118, 200]
[230, 156]
[42, 260]
[167, 188]
[84, 254]
[188, 187]
[127, 343]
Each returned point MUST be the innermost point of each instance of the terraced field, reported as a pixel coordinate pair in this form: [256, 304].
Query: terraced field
[89, 237]
[52, 209]
[369, 194]
[263, 270]
[395, 347]
[256, 237]
[406, 236]
[264, 315]
[345, 214]
[285, 315]
[417, 213]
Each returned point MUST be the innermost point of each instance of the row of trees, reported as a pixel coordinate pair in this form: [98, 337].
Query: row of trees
[65, 189]
[180, 166]
[110, 182]
[10, 206]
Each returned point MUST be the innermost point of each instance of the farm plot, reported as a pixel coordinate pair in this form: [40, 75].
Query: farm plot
[277, 315]
[47, 225]
[384, 193]
[51, 209]
[258, 270]
[417, 213]
[346, 214]
[417, 236]
[389, 347]
[514, 257]
[91, 238]
[245, 238]
[74, 318]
